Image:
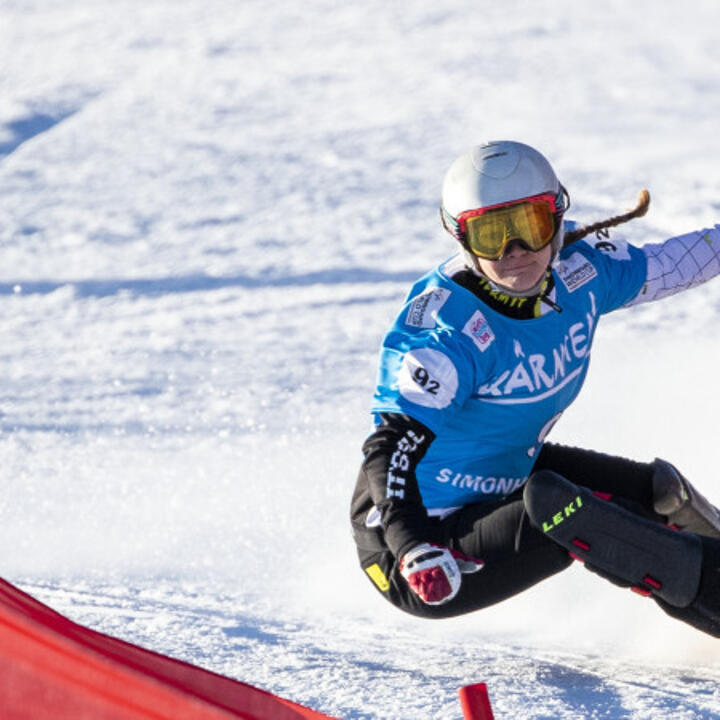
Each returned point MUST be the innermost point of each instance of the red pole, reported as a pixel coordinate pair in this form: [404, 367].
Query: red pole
[475, 702]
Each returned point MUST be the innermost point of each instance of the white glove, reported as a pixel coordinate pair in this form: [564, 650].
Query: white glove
[434, 572]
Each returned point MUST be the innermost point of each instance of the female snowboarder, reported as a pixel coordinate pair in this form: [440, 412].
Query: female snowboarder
[460, 503]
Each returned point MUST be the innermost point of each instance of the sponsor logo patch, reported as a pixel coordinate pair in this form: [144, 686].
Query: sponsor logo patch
[479, 330]
[536, 376]
[423, 310]
[576, 271]
[479, 483]
[562, 515]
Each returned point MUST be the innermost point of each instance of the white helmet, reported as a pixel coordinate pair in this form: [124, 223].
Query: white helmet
[494, 174]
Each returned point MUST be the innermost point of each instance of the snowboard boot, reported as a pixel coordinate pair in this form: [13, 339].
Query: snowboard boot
[685, 508]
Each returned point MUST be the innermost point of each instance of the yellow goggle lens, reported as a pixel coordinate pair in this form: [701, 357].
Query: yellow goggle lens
[489, 233]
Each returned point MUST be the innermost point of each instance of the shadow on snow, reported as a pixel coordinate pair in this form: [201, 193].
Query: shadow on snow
[25, 128]
[200, 282]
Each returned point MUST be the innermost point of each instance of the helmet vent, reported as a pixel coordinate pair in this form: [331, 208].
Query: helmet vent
[495, 155]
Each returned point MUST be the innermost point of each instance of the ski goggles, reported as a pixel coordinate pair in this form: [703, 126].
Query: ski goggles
[488, 231]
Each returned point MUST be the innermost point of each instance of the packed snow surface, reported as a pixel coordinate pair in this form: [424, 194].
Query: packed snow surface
[210, 212]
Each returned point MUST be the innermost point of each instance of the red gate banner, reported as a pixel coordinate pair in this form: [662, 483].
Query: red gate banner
[54, 669]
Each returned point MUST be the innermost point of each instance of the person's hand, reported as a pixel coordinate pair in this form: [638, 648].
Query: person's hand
[434, 572]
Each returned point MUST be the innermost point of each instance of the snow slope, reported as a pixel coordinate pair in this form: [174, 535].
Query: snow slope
[209, 212]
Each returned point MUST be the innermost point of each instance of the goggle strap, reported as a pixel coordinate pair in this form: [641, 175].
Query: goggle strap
[563, 195]
[451, 224]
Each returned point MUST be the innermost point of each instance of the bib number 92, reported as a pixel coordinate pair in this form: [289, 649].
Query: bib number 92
[423, 379]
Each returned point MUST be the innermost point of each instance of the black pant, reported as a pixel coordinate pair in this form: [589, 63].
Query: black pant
[516, 554]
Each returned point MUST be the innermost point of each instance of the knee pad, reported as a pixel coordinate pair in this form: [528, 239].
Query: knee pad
[626, 548]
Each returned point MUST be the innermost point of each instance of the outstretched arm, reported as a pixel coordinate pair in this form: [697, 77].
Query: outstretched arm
[680, 263]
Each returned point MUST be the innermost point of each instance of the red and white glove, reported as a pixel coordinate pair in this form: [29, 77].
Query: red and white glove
[434, 572]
